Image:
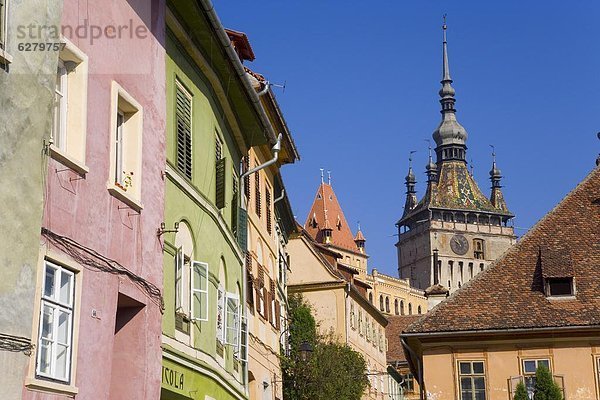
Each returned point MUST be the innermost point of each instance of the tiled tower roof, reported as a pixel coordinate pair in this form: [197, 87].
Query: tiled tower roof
[326, 213]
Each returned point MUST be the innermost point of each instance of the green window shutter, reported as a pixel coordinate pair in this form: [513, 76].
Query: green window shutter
[242, 233]
[183, 118]
[234, 204]
[220, 181]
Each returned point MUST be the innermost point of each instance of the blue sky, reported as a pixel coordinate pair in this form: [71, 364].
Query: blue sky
[362, 81]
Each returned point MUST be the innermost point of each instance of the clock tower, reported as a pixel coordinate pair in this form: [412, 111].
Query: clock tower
[454, 232]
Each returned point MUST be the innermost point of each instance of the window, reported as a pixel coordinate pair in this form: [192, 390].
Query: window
[352, 317]
[219, 173]
[381, 303]
[559, 287]
[360, 322]
[419, 308]
[371, 297]
[481, 266]
[183, 121]
[59, 126]
[396, 311]
[401, 307]
[199, 291]
[257, 195]
[409, 309]
[56, 323]
[471, 377]
[478, 249]
[471, 269]
[2, 23]
[409, 383]
[126, 148]
[268, 210]
[232, 320]
[68, 130]
[529, 368]
[387, 304]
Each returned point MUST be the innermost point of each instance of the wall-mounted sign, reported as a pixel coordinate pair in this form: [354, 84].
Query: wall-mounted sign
[173, 378]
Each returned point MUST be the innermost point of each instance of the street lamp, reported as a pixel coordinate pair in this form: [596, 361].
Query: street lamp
[305, 351]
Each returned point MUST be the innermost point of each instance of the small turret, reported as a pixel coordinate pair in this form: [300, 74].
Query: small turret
[360, 240]
[411, 192]
[431, 169]
[496, 197]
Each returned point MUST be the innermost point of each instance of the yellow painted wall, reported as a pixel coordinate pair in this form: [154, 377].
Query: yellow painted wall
[574, 360]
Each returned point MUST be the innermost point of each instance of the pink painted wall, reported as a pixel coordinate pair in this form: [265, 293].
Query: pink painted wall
[128, 364]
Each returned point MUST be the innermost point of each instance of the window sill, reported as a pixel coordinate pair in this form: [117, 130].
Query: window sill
[68, 161]
[5, 58]
[51, 387]
[132, 202]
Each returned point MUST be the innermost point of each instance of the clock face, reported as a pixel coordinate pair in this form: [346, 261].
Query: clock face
[459, 244]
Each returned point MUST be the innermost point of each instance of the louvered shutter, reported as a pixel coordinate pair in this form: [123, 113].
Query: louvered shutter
[183, 117]
[242, 229]
[277, 315]
[220, 180]
[245, 168]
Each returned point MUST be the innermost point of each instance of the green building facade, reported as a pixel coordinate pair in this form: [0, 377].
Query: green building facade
[212, 121]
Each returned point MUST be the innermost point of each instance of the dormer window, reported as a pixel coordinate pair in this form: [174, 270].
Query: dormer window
[560, 287]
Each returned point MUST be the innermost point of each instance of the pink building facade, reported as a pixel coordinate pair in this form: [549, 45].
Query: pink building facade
[98, 298]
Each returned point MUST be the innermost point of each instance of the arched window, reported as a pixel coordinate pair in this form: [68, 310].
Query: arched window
[409, 309]
[396, 307]
[387, 304]
[401, 307]
[419, 310]
[478, 249]
[371, 297]
[185, 253]
[380, 303]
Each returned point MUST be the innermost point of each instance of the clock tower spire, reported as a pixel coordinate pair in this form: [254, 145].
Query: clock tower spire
[455, 230]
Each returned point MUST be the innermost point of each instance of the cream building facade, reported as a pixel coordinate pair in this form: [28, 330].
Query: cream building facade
[340, 307]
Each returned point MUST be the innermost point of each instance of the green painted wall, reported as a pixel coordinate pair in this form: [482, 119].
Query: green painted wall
[198, 211]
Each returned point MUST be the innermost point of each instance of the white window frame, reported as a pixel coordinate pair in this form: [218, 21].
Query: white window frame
[58, 134]
[202, 294]
[242, 350]
[179, 280]
[54, 302]
[232, 329]
[220, 317]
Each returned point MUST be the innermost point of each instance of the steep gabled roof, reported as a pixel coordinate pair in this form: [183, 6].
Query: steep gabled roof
[327, 212]
[510, 293]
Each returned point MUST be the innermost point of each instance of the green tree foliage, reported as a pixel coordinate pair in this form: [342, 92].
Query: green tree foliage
[333, 371]
[521, 392]
[545, 387]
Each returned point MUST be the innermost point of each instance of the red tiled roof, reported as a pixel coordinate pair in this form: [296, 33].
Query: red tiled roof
[397, 324]
[325, 200]
[241, 44]
[509, 294]
[359, 236]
